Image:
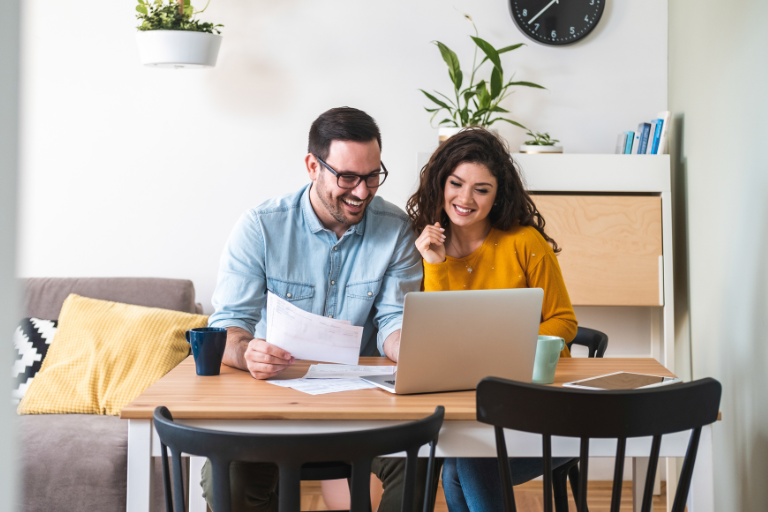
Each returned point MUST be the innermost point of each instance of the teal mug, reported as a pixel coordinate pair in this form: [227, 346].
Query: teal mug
[548, 350]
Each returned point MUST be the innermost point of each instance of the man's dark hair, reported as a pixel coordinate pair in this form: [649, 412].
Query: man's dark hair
[342, 123]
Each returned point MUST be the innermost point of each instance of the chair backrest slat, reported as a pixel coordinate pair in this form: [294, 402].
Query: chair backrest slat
[428, 503]
[290, 451]
[599, 414]
[546, 450]
[650, 477]
[618, 474]
[166, 478]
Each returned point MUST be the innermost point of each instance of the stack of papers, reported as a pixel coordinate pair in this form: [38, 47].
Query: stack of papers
[309, 336]
[332, 378]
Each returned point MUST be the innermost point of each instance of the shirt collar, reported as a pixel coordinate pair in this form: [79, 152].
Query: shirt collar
[314, 223]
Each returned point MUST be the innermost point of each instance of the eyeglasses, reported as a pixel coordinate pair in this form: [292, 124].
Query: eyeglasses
[349, 180]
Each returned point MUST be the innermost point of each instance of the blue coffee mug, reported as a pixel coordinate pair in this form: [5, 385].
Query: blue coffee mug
[208, 344]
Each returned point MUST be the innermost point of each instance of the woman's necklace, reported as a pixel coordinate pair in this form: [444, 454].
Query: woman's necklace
[472, 261]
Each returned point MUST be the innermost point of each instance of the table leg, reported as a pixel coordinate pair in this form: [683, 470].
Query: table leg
[701, 497]
[639, 472]
[196, 500]
[671, 481]
[139, 485]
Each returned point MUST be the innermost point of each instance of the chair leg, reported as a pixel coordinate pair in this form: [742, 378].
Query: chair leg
[573, 476]
[560, 487]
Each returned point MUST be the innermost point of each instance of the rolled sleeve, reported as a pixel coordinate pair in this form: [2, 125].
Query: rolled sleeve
[241, 290]
[403, 275]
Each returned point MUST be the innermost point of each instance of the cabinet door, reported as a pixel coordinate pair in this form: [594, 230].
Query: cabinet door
[611, 247]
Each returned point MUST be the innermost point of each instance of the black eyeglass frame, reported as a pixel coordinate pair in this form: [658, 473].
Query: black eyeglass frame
[360, 178]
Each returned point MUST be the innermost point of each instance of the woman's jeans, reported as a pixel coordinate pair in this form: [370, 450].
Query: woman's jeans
[474, 484]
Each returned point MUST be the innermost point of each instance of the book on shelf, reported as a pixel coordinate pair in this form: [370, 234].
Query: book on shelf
[628, 144]
[621, 143]
[650, 138]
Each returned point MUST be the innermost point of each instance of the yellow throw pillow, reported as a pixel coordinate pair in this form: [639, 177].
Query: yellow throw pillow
[105, 354]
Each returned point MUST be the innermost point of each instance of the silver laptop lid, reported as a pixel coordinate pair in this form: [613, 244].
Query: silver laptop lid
[452, 340]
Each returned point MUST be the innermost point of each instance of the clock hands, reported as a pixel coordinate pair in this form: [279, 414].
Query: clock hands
[542, 11]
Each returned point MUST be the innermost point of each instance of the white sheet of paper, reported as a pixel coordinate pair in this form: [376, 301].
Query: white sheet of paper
[322, 386]
[309, 336]
[345, 371]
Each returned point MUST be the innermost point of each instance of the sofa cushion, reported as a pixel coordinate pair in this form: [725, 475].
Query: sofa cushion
[31, 340]
[45, 295]
[72, 462]
[105, 355]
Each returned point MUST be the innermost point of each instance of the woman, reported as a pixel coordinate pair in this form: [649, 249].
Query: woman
[479, 229]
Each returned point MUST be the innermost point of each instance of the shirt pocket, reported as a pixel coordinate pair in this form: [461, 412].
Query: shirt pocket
[366, 290]
[299, 294]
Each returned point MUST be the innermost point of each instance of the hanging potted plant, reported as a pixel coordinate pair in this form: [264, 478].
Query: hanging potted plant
[541, 143]
[169, 35]
[476, 104]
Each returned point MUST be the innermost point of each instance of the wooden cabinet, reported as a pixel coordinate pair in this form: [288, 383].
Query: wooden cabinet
[611, 247]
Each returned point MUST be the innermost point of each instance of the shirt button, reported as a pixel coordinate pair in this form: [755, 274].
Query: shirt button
[335, 247]
[333, 282]
[370, 294]
[288, 295]
[330, 316]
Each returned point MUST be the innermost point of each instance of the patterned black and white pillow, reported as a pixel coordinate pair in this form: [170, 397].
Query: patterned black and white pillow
[31, 340]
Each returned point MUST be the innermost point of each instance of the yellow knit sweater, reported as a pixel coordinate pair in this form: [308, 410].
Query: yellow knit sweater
[518, 258]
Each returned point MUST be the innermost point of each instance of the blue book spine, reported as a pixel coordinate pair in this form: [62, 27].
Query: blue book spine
[645, 129]
[628, 146]
[651, 133]
[657, 137]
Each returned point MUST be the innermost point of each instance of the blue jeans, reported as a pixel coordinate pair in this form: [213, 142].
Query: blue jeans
[474, 484]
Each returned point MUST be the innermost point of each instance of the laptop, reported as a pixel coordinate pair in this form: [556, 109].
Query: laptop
[451, 340]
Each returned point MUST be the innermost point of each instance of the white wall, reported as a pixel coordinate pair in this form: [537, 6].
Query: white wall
[718, 79]
[9, 99]
[130, 171]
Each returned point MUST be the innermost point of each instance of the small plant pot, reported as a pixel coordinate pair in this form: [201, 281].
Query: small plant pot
[525, 148]
[178, 48]
[444, 132]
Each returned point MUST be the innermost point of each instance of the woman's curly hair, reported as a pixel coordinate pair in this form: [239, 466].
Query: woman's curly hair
[513, 205]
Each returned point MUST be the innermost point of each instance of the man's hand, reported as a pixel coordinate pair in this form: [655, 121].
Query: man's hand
[265, 360]
[256, 356]
[392, 345]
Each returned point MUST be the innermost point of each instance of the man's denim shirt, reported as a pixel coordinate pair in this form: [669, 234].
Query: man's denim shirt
[281, 246]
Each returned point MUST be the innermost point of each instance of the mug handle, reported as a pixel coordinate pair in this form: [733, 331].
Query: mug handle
[562, 344]
[186, 335]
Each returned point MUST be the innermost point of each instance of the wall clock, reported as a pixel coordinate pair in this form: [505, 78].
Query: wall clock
[556, 22]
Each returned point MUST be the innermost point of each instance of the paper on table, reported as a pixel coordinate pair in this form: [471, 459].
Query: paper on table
[322, 386]
[309, 336]
[345, 371]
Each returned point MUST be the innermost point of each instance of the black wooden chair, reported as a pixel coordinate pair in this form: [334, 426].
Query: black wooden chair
[597, 343]
[594, 340]
[292, 451]
[598, 414]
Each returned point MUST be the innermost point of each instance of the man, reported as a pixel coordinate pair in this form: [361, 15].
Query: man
[332, 248]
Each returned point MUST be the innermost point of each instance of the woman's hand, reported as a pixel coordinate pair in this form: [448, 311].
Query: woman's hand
[431, 244]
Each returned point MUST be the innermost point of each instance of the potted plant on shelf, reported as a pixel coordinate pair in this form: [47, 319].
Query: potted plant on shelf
[476, 104]
[170, 36]
[541, 143]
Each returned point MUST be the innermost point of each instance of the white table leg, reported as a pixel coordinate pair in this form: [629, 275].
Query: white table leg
[671, 481]
[139, 485]
[196, 500]
[701, 497]
[639, 472]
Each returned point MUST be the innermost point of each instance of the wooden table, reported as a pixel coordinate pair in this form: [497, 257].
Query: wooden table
[236, 402]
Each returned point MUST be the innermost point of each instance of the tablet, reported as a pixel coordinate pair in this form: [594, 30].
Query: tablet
[622, 381]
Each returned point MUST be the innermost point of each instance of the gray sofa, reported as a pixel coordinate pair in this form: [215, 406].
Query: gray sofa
[78, 462]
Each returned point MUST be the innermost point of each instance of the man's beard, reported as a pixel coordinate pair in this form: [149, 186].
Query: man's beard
[337, 210]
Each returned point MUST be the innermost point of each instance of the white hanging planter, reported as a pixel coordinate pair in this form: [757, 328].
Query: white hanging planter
[525, 148]
[178, 48]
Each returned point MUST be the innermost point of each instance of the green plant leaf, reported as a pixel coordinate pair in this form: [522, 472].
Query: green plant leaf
[450, 58]
[450, 101]
[187, 2]
[508, 121]
[510, 48]
[142, 9]
[496, 80]
[499, 109]
[527, 84]
[437, 101]
[489, 51]
[446, 121]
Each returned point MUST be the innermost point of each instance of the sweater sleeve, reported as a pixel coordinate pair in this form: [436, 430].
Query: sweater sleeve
[557, 315]
[436, 277]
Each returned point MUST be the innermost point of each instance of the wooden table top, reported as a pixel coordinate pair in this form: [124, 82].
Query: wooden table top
[236, 395]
